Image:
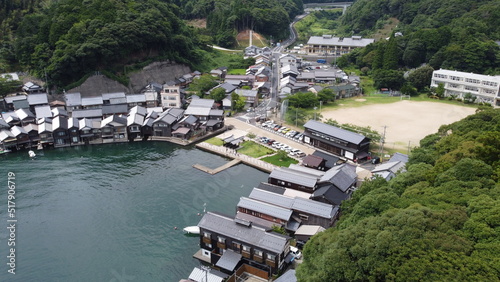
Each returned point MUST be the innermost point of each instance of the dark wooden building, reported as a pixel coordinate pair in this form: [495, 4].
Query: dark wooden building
[344, 143]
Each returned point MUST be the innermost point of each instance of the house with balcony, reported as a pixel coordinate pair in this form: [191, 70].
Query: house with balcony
[45, 133]
[304, 211]
[114, 129]
[21, 135]
[89, 131]
[74, 131]
[7, 139]
[171, 96]
[32, 130]
[227, 243]
[265, 214]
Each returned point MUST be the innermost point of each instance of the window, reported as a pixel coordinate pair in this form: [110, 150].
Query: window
[61, 133]
[221, 239]
[75, 139]
[271, 256]
[258, 253]
[246, 248]
[471, 88]
[236, 247]
[303, 217]
[471, 80]
[206, 234]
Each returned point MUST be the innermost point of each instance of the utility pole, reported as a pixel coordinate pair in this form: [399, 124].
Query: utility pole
[382, 141]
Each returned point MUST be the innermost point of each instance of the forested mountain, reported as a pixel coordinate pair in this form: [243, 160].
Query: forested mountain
[227, 17]
[67, 39]
[439, 221]
[451, 34]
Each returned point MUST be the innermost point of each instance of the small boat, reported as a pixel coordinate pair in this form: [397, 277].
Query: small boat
[192, 230]
[32, 154]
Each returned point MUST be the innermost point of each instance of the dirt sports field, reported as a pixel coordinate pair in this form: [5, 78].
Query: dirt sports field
[405, 120]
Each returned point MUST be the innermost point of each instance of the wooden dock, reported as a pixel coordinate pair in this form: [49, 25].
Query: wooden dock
[217, 170]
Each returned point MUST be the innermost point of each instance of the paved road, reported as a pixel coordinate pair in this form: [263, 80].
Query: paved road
[241, 125]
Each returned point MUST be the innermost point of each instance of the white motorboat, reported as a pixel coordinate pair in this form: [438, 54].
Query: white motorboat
[192, 230]
[32, 154]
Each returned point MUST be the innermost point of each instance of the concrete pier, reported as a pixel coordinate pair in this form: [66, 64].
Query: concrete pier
[229, 153]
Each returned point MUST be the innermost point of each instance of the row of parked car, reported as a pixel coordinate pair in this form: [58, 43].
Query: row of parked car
[282, 130]
[281, 146]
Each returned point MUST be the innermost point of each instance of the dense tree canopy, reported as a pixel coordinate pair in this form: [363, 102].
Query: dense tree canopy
[69, 38]
[227, 17]
[448, 34]
[436, 222]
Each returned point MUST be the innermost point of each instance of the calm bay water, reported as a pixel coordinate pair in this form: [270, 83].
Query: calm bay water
[108, 212]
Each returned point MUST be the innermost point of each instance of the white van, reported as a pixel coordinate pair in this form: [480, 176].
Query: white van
[296, 253]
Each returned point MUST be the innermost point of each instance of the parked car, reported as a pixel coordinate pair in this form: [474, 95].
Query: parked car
[270, 141]
[285, 131]
[294, 151]
[299, 136]
[296, 253]
[264, 139]
[277, 127]
[286, 148]
[276, 144]
[281, 130]
[291, 133]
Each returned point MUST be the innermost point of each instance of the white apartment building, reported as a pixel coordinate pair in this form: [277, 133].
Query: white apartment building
[171, 96]
[484, 87]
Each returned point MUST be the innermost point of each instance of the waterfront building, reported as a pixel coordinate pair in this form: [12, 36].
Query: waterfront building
[227, 243]
[171, 96]
[485, 88]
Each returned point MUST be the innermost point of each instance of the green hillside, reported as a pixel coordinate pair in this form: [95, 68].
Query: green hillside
[439, 221]
[67, 39]
[451, 34]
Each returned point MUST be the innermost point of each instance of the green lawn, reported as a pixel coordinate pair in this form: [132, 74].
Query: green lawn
[237, 71]
[254, 150]
[215, 141]
[275, 160]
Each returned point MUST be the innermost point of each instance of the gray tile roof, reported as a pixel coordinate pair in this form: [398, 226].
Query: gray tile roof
[44, 127]
[73, 122]
[136, 98]
[198, 111]
[59, 122]
[390, 166]
[38, 99]
[11, 99]
[265, 208]
[31, 127]
[342, 176]
[204, 103]
[340, 41]
[90, 101]
[138, 110]
[216, 113]
[114, 109]
[399, 157]
[331, 160]
[252, 235]
[135, 119]
[24, 113]
[271, 198]
[43, 111]
[271, 188]
[229, 260]
[117, 101]
[73, 99]
[59, 112]
[5, 134]
[17, 130]
[3, 123]
[107, 96]
[246, 92]
[288, 176]
[288, 276]
[315, 208]
[93, 113]
[330, 193]
[85, 123]
[334, 131]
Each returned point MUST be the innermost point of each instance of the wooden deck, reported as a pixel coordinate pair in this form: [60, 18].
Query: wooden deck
[217, 170]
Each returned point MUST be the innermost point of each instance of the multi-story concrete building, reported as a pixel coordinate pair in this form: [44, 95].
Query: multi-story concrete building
[485, 88]
[336, 46]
